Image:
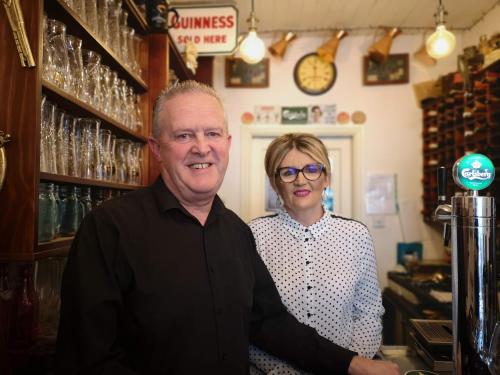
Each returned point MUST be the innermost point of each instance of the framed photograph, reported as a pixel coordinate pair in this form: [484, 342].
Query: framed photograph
[241, 74]
[393, 71]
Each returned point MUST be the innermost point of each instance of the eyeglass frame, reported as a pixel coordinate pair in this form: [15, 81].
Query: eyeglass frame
[297, 170]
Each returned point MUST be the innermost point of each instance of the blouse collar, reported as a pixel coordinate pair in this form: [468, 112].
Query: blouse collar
[300, 231]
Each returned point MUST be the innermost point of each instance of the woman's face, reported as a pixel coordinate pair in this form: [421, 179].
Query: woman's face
[302, 194]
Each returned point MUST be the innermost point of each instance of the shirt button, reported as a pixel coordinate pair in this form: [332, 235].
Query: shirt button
[224, 356]
[211, 269]
[309, 287]
[307, 239]
[309, 315]
[307, 230]
[219, 310]
[308, 262]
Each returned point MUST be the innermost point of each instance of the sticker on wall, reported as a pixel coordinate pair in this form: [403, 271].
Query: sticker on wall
[343, 118]
[247, 118]
[322, 114]
[358, 117]
[294, 115]
[267, 114]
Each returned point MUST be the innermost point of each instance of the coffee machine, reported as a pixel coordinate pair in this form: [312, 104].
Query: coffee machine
[469, 221]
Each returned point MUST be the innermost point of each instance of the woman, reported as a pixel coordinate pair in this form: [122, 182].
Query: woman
[323, 265]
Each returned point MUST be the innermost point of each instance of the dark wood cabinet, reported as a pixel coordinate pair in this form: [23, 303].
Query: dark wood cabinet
[457, 124]
[21, 91]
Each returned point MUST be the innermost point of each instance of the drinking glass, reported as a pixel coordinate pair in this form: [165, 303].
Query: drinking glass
[137, 43]
[139, 123]
[59, 67]
[105, 86]
[91, 14]
[106, 154]
[103, 20]
[74, 46]
[87, 147]
[75, 141]
[47, 54]
[79, 8]
[62, 141]
[114, 10]
[124, 53]
[47, 134]
[121, 160]
[115, 96]
[91, 67]
[71, 210]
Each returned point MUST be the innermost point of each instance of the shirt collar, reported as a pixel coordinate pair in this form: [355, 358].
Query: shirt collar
[167, 201]
[300, 231]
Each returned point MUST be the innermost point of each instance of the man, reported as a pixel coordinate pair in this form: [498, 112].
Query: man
[166, 280]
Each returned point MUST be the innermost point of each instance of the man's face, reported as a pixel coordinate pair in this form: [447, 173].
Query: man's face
[193, 147]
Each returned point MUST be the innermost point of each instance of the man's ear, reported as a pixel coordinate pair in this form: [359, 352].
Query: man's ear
[154, 146]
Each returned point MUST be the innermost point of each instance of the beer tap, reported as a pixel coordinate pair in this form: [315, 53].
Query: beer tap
[470, 223]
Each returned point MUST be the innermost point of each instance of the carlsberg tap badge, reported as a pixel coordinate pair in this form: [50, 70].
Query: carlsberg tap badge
[473, 172]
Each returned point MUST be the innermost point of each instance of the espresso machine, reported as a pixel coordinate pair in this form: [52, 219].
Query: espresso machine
[470, 223]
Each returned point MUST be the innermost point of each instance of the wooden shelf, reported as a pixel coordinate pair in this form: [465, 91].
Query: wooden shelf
[77, 107]
[57, 9]
[177, 62]
[86, 182]
[136, 19]
[58, 247]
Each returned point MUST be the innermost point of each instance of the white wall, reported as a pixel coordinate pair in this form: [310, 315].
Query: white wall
[489, 25]
[392, 132]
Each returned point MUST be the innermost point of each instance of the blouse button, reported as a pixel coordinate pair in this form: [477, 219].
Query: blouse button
[307, 239]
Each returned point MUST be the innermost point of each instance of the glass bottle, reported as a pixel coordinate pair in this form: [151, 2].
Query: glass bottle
[47, 212]
[86, 200]
[57, 228]
[71, 210]
[24, 324]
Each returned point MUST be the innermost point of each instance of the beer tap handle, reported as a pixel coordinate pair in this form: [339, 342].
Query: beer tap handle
[441, 185]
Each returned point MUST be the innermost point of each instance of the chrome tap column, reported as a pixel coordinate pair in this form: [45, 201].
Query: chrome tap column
[474, 291]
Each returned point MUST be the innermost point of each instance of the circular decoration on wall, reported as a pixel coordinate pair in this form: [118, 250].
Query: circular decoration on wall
[343, 118]
[247, 118]
[358, 117]
[314, 76]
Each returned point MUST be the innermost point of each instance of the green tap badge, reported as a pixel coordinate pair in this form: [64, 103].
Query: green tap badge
[473, 172]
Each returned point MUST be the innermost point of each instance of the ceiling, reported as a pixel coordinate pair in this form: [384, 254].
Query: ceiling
[358, 16]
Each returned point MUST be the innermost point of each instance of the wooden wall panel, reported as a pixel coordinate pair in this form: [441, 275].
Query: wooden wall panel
[20, 117]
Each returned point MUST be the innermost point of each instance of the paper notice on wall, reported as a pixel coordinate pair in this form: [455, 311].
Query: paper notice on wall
[410, 221]
[380, 196]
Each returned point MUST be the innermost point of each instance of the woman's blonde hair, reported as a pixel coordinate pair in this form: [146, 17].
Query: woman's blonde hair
[304, 142]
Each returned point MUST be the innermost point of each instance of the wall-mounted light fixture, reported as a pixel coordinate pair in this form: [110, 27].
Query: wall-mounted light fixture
[423, 57]
[379, 51]
[278, 49]
[328, 50]
[442, 42]
[252, 48]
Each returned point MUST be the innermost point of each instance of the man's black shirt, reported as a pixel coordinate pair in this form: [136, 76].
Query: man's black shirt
[148, 290]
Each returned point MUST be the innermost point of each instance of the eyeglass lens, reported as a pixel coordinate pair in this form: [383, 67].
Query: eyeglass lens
[310, 171]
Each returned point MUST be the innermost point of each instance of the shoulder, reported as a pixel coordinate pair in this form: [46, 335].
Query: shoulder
[348, 223]
[263, 221]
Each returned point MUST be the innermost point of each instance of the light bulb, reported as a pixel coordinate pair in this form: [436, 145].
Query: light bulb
[252, 48]
[441, 43]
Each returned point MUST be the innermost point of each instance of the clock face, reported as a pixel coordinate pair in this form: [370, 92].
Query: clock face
[313, 76]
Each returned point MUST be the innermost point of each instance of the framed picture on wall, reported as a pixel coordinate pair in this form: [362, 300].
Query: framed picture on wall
[241, 74]
[392, 71]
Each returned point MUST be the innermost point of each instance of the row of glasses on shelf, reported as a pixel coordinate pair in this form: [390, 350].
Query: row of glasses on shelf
[80, 72]
[80, 147]
[109, 21]
[61, 208]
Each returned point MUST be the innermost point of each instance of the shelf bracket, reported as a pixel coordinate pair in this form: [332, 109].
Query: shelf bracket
[3, 158]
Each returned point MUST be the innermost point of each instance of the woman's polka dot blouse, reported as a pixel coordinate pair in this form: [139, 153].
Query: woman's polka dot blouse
[326, 275]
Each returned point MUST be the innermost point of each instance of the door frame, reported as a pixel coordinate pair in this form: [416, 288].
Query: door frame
[355, 132]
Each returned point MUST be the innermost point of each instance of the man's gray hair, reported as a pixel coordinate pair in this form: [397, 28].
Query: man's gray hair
[183, 87]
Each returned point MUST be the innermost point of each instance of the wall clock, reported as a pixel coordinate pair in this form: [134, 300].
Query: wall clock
[313, 76]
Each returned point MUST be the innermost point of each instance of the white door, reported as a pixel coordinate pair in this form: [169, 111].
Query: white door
[257, 196]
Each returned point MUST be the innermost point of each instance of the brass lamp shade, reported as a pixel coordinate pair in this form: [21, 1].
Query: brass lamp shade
[380, 50]
[423, 57]
[328, 50]
[278, 49]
